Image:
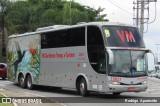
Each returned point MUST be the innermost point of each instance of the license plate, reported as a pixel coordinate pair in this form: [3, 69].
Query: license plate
[131, 89]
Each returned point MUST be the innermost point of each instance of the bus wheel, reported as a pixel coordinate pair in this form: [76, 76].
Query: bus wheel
[83, 87]
[21, 81]
[117, 93]
[29, 83]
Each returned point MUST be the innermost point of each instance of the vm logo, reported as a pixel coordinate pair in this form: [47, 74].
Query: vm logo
[126, 36]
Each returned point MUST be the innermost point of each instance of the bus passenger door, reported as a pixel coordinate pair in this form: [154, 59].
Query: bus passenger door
[96, 49]
[97, 57]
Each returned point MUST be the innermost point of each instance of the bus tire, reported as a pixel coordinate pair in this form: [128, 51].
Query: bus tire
[83, 88]
[29, 83]
[116, 93]
[21, 81]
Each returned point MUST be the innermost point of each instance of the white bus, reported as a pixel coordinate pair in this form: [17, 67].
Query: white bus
[97, 56]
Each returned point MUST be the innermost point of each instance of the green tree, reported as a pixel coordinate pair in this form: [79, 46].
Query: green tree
[17, 17]
[35, 13]
[3, 11]
[100, 17]
[24, 16]
[66, 14]
[27, 16]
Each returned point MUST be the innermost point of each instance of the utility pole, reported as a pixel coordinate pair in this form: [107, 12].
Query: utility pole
[2, 39]
[137, 22]
[1, 43]
[3, 6]
[142, 18]
[141, 7]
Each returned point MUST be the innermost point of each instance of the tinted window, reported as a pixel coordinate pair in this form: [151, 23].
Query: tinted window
[78, 36]
[64, 38]
[49, 40]
[94, 36]
[95, 47]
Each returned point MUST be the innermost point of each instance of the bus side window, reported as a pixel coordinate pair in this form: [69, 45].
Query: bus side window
[63, 38]
[78, 36]
[49, 40]
[95, 46]
[43, 41]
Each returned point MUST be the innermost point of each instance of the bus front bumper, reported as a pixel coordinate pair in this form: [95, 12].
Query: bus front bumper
[127, 88]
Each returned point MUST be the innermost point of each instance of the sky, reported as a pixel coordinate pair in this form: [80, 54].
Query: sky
[122, 11]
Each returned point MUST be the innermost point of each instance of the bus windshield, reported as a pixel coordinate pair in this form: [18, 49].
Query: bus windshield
[122, 36]
[129, 63]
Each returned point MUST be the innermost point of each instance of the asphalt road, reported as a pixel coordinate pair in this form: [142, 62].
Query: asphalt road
[94, 99]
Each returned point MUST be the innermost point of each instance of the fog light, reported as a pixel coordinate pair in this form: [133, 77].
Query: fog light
[145, 82]
[115, 83]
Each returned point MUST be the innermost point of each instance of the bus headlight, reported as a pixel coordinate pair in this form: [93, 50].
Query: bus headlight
[145, 82]
[115, 83]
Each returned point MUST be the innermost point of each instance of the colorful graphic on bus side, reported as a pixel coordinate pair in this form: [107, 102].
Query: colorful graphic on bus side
[24, 58]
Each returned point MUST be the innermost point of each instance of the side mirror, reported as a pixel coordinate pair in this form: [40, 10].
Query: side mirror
[111, 56]
[156, 59]
[154, 55]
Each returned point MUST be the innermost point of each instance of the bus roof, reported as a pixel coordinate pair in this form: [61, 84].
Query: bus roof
[60, 27]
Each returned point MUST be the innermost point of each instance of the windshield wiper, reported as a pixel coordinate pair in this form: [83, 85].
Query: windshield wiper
[121, 74]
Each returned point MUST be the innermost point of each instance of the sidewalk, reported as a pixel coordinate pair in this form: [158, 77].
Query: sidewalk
[23, 94]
